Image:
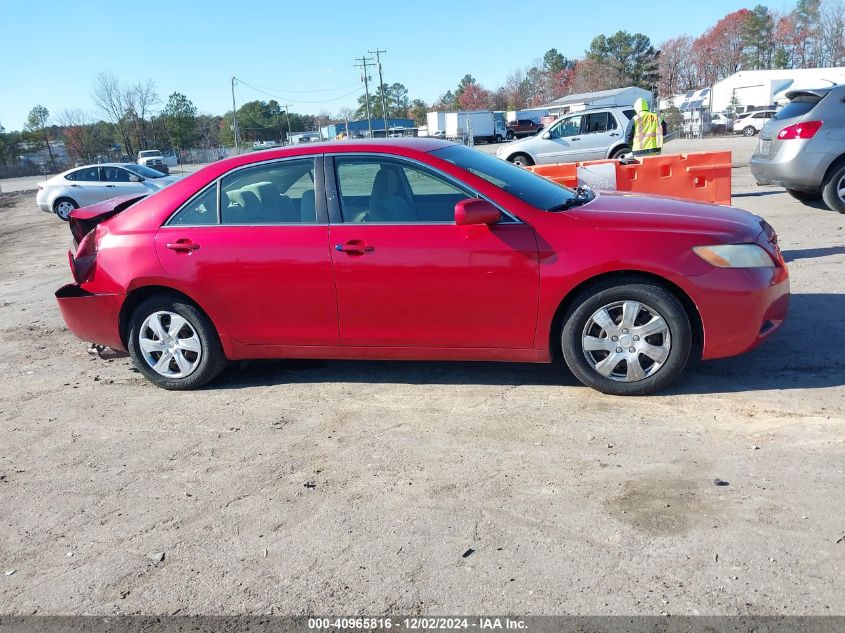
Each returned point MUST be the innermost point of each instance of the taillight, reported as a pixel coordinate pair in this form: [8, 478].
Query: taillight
[82, 262]
[804, 130]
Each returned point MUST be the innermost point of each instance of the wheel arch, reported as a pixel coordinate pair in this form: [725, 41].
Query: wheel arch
[510, 158]
[140, 294]
[689, 306]
[835, 164]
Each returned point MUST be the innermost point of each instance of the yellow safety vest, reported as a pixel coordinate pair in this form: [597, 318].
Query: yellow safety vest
[647, 132]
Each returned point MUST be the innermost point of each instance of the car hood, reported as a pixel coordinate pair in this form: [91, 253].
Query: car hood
[625, 211]
[161, 183]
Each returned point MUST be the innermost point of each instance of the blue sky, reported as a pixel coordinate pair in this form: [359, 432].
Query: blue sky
[51, 51]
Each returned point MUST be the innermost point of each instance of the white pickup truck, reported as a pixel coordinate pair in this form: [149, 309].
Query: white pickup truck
[153, 159]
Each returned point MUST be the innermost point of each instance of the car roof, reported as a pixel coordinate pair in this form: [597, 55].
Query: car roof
[406, 142]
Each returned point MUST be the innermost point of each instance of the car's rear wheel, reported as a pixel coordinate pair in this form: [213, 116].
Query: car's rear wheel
[174, 344]
[498, 138]
[749, 130]
[522, 160]
[805, 196]
[63, 206]
[626, 337]
[833, 190]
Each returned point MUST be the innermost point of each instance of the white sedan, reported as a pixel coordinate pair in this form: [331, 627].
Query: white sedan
[83, 186]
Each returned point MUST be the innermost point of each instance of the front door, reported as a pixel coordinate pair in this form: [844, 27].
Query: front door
[262, 264]
[118, 182]
[408, 276]
[564, 142]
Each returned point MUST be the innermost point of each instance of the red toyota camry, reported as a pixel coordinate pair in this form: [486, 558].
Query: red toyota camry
[417, 249]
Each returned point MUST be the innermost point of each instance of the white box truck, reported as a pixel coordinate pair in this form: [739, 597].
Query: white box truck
[436, 123]
[481, 125]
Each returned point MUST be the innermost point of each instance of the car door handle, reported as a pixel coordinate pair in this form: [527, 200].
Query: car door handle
[575, 138]
[110, 186]
[614, 133]
[354, 247]
[182, 246]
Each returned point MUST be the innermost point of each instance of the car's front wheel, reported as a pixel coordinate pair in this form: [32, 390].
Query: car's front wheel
[833, 190]
[805, 196]
[62, 208]
[522, 160]
[626, 337]
[174, 344]
[749, 130]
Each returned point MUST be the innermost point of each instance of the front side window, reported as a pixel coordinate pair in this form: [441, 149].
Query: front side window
[87, 174]
[385, 190]
[115, 174]
[273, 193]
[570, 126]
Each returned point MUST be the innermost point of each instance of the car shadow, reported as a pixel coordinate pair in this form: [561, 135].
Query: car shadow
[755, 194]
[798, 356]
[812, 253]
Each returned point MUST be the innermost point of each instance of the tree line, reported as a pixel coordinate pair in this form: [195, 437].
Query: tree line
[132, 117]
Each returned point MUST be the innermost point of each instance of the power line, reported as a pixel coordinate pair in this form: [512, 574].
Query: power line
[344, 87]
[303, 101]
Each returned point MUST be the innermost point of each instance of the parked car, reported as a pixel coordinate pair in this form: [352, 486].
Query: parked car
[803, 147]
[521, 128]
[81, 187]
[438, 251]
[153, 159]
[721, 123]
[751, 123]
[587, 135]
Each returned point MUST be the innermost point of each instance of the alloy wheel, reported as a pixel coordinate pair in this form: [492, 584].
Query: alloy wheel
[169, 344]
[626, 341]
[64, 208]
[840, 189]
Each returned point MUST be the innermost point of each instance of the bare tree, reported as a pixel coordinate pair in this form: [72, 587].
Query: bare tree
[832, 32]
[139, 100]
[110, 96]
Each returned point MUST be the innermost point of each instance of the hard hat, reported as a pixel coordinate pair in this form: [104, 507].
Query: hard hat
[641, 105]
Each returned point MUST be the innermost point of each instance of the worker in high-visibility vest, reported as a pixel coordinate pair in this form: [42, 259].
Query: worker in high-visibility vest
[645, 132]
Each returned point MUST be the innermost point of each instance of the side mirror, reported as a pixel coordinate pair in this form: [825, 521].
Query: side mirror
[134, 178]
[474, 211]
[547, 135]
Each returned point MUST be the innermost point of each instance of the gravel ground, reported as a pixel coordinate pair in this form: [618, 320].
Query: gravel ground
[372, 487]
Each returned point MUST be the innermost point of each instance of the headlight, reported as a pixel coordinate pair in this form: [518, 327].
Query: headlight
[735, 256]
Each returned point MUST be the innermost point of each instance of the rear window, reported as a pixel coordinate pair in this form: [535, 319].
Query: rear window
[799, 106]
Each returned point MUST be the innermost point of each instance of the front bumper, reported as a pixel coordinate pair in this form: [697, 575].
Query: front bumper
[94, 318]
[739, 308]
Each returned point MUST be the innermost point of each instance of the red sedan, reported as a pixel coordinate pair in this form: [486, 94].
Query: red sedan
[418, 249]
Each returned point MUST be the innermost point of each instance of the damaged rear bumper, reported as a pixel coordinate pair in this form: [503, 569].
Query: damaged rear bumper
[94, 318]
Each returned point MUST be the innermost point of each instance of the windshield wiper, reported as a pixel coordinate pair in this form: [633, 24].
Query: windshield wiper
[583, 194]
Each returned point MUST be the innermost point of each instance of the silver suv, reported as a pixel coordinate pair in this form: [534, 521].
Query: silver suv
[587, 135]
[803, 147]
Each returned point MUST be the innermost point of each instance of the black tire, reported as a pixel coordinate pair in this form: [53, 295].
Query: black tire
[805, 196]
[521, 160]
[749, 130]
[617, 153]
[60, 207]
[211, 358]
[656, 299]
[833, 189]
[498, 138]
[509, 135]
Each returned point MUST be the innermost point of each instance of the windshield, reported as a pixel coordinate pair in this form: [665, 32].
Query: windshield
[148, 153]
[535, 190]
[146, 172]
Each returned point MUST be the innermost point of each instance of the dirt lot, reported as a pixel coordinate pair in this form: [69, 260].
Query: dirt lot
[297, 487]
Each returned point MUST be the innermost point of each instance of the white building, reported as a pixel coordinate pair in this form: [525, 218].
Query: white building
[755, 89]
[599, 99]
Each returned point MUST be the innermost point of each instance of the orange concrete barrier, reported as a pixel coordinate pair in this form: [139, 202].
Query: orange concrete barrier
[699, 176]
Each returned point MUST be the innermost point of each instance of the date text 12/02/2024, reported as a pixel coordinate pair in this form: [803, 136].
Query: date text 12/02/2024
[416, 624]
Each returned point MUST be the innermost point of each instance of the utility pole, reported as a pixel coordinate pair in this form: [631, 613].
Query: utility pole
[287, 115]
[365, 63]
[235, 117]
[377, 53]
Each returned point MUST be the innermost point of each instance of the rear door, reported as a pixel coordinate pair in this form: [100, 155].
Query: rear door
[564, 142]
[254, 247]
[86, 186]
[600, 131]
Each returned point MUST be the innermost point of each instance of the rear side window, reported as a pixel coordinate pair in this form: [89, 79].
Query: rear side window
[275, 193]
[200, 210]
[88, 174]
[629, 113]
[599, 122]
[799, 106]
